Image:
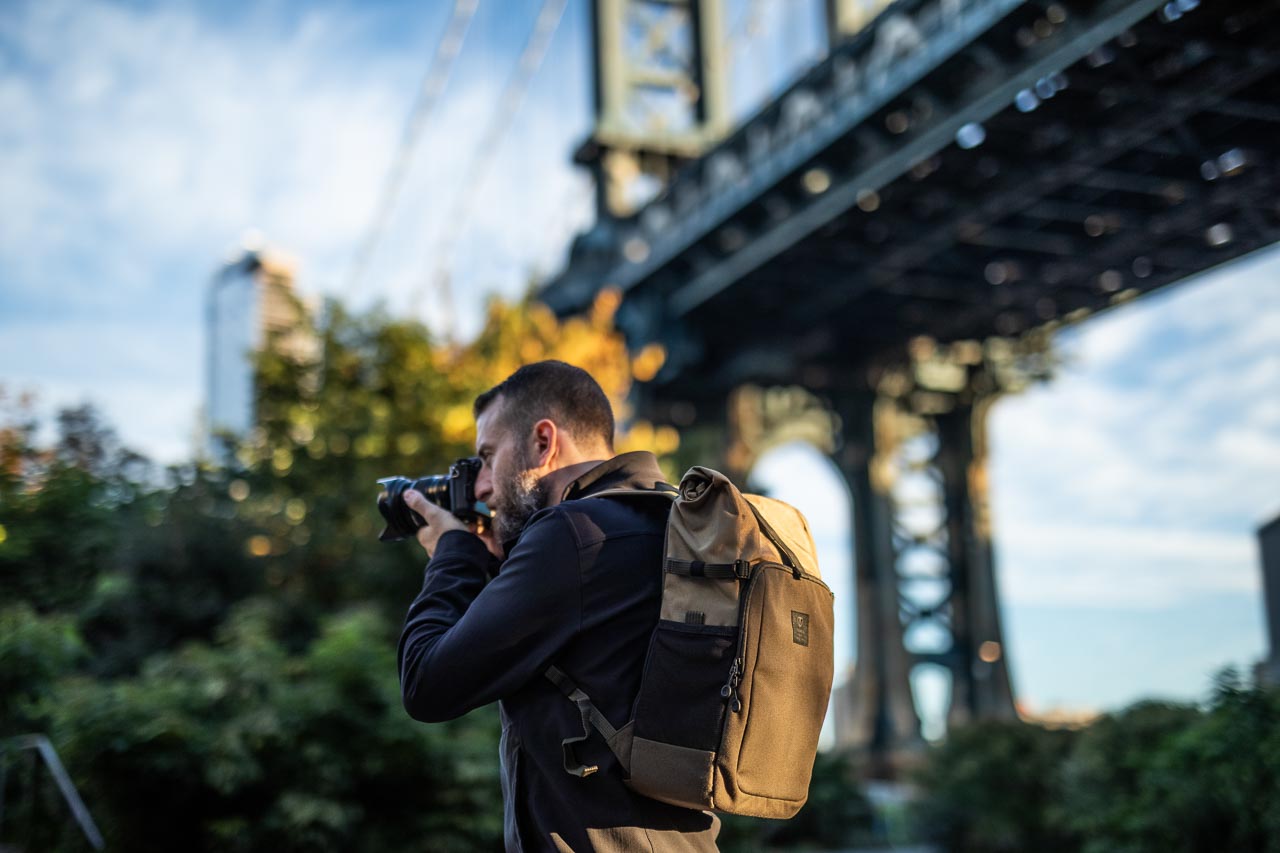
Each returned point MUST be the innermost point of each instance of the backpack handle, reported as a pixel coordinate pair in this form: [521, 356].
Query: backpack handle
[663, 490]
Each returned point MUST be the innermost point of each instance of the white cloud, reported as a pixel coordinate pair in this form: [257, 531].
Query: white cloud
[150, 135]
[140, 143]
[1110, 338]
[1112, 566]
[1137, 477]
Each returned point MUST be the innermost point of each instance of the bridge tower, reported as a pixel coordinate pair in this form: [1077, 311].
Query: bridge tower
[969, 172]
[661, 94]
[925, 581]
[914, 456]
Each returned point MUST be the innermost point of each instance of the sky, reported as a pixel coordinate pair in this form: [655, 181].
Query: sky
[1126, 495]
[143, 140]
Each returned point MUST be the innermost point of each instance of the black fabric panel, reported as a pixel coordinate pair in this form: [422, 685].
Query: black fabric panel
[680, 701]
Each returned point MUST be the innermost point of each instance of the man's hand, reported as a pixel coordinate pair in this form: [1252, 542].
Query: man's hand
[439, 521]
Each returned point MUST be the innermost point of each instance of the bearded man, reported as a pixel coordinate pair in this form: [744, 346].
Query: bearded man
[561, 580]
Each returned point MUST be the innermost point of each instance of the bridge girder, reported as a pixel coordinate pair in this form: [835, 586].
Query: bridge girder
[959, 172]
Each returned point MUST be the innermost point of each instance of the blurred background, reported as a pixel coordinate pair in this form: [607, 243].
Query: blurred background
[987, 289]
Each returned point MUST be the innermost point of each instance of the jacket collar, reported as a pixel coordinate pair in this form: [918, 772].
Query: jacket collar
[635, 470]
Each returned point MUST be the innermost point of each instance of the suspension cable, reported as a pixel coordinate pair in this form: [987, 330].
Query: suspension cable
[535, 50]
[433, 85]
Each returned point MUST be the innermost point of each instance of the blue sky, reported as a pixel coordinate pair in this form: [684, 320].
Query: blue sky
[1126, 495]
[142, 140]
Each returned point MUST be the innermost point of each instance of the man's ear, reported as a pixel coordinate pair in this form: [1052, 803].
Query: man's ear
[546, 441]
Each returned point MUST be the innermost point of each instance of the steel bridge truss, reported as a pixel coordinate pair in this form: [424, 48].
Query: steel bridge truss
[959, 169]
[971, 173]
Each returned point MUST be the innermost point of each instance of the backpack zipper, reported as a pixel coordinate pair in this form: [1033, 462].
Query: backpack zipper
[729, 692]
[788, 557]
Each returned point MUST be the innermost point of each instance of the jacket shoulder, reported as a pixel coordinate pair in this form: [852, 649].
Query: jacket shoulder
[597, 518]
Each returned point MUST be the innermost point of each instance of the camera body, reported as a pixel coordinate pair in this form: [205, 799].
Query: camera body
[455, 491]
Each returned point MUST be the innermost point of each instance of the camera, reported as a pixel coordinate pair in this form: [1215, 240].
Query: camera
[455, 491]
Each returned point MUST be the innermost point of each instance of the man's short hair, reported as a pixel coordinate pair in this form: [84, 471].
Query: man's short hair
[560, 392]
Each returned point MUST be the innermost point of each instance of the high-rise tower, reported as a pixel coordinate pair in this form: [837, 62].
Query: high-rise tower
[250, 299]
[1268, 671]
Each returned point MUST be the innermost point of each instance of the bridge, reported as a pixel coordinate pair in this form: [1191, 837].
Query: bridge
[876, 255]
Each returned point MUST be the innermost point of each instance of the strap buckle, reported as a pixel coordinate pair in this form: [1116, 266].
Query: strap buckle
[572, 765]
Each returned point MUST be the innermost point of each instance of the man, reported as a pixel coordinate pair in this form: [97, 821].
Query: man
[579, 588]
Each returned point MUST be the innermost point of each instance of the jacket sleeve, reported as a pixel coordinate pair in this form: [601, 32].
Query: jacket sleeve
[465, 643]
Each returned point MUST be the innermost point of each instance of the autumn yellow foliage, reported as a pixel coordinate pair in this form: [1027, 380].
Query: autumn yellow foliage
[515, 334]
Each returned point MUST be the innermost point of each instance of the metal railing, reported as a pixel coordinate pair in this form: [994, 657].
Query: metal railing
[42, 750]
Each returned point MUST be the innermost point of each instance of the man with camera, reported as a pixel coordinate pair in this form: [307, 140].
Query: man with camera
[560, 579]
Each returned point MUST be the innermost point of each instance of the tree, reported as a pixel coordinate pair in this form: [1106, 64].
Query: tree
[35, 651]
[57, 508]
[1153, 776]
[1161, 776]
[211, 648]
[1107, 781]
[991, 787]
[240, 745]
[378, 397]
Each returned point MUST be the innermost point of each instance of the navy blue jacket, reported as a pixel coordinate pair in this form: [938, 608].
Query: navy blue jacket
[581, 589]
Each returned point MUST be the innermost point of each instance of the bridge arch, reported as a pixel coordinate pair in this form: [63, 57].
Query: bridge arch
[798, 472]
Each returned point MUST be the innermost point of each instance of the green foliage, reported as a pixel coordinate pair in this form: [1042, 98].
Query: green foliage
[35, 652]
[57, 509]
[990, 788]
[1154, 776]
[212, 647]
[239, 745]
[1114, 780]
[1177, 778]
[180, 565]
[370, 403]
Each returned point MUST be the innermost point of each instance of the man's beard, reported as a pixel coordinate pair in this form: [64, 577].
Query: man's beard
[524, 495]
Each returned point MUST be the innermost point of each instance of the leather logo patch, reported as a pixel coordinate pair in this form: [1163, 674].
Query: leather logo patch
[799, 628]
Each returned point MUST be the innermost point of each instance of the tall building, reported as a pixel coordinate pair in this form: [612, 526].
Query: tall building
[250, 299]
[1268, 670]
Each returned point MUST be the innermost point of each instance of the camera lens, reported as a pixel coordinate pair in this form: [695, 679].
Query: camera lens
[454, 492]
[403, 522]
[434, 489]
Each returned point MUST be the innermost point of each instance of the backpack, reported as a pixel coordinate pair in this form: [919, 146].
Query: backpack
[739, 669]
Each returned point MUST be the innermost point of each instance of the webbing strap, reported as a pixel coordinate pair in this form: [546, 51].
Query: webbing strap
[591, 717]
[739, 569]
[663, 490]
[590, 714]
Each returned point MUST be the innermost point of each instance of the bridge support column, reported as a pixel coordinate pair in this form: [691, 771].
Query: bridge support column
[877, 713]
[980, 685]
[914, 460]
[915, 464]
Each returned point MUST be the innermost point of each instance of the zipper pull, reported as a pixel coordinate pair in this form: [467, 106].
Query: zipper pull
[730, 690]
[734, 678]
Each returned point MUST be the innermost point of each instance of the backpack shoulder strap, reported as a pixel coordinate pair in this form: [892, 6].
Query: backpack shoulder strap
[617, 740]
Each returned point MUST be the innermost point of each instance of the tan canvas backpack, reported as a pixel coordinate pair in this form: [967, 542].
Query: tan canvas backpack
[738, 674]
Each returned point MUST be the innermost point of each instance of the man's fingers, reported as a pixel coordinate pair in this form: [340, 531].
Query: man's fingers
[422, 506]
[438, 520]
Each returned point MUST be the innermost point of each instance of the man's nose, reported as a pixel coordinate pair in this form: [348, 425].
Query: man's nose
[484, 485]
